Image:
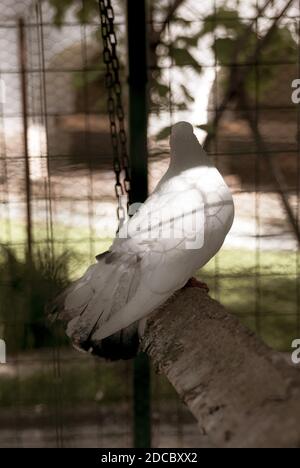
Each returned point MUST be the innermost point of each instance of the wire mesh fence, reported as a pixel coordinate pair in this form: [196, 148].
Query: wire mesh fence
[228, 68]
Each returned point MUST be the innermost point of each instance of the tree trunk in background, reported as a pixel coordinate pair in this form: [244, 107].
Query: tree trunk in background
[242, 393]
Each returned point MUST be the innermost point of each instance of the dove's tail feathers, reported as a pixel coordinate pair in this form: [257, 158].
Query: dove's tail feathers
[56, 309]
[93, 299]
[123, 344]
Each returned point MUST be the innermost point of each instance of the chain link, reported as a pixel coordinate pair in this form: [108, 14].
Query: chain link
[115, 107]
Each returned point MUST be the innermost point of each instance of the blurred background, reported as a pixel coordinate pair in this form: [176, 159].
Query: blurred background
[225, 66]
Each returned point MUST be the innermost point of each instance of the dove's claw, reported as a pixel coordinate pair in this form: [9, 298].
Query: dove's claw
[194, 283]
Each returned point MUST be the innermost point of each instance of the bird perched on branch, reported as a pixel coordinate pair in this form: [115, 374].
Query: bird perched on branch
[179, 228]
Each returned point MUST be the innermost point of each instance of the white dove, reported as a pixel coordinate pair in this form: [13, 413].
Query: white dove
[179, 228]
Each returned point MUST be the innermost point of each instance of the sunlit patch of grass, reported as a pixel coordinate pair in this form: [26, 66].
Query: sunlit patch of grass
[260, 289]
[264, 298]
[236, 261]
[62, 238]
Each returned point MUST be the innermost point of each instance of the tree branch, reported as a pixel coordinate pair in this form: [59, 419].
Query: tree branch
[242, 393]
[156, 38]
[237, 77]
[275, 171]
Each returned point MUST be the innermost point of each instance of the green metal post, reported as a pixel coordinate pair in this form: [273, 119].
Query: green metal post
[24, 93]
[138, 120]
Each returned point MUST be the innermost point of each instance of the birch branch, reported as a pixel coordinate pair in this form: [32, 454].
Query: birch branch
[242, 393]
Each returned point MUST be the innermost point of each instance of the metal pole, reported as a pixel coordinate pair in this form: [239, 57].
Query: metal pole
[138, 100]
[138, 120]
[22, 62]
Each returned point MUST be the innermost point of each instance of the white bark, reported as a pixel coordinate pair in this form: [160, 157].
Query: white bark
[242, 393]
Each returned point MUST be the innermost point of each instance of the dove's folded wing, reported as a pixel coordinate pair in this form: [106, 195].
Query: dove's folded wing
[175, 232]
[142, 269]
[155, 254]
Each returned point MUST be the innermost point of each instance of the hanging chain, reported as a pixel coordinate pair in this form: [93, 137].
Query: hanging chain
[115, 107]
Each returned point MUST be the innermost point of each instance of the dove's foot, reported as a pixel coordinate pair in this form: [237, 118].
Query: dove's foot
[194, 283]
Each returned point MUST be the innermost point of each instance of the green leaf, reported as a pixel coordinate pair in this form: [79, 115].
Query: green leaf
[162, 89]
[187, 41]
[183, 58]
[226, 18]
[224, 50]
[206, 127]
[87, 11]
[60, 9]
[164, 133]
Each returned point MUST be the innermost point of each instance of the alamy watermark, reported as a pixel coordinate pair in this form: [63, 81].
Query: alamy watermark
[296, 354]
[166, 221]
[2, 352]
[296, 93]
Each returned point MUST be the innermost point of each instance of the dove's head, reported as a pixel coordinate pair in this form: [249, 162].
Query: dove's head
[186, 150]
[181, 131]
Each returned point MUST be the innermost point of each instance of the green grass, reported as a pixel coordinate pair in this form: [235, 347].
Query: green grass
[261, 290]
[79, 382]
[82, 380]
[262, 294]
[75, 240]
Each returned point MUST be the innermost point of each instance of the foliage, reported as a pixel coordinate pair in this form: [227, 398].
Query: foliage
[273, 309]
[234, 43]
[179, 48]
[25, 287]
[84, 10]
[176, 44]
[176, 52]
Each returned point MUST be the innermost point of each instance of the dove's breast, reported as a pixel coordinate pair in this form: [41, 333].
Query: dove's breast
[218, 212]
[201, 197]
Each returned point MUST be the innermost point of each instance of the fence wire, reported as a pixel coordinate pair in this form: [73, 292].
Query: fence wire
[58, 203]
